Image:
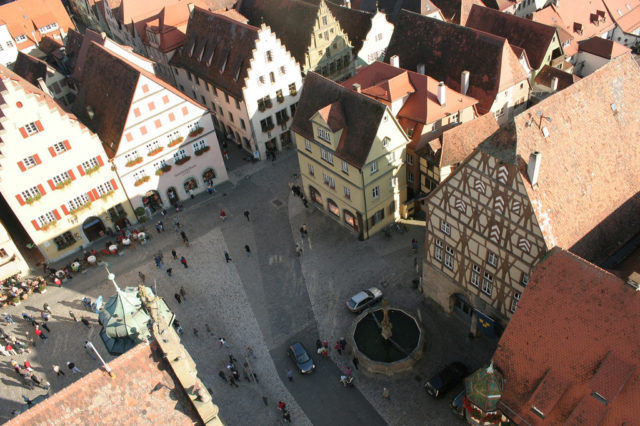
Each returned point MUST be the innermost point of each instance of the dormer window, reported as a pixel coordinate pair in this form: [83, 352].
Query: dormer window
[20, 38]
[324, 134]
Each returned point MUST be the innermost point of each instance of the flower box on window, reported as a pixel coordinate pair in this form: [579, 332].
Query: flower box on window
[199, 152]
[280, 99]
[107, 194]
[48, 225]
[176, 141]
[262, 107]
[133, 162]
[293, 92]
[196, 131]
[156, 151]
[162, 170]
[33, 199]
[141, 181]
[268, 103]
[182, 160]
[92, 170]
[63, 184]
[82, 207]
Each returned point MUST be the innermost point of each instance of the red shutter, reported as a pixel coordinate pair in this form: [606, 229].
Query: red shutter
[22, 167]
[39, 126]
[23, 132]
[35, 224]
[91, 195]
[56, 214]
[36, 157]
[67, 144]
[113, 183]
[95, 194]
[52, 151]
[71, 175]
[81, 170]
[52, 185]
[65, 210]
[20, 200]
[41, 189]
[99, 160]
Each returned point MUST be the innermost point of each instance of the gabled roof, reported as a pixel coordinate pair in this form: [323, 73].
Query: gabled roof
[587, 197]
[456, 11]
[625, 13]
[333, 115]
[573, 334]
[531, 36]
[457, 143]
[24, 17]
[218, 49]
[362, 116]
[546, 74]
[448, 49]
[604, 48]
[291, 20]
[79, 54]
[393, 7]
[30, 68]
[355, 23]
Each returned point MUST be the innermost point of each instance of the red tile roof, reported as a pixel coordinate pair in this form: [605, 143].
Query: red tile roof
[547, 73]
[141, 392]
[24, 17]
[587, 198]
[457, 143]
[626, 13]
[575, 322]
[604, 48]
[456, 11]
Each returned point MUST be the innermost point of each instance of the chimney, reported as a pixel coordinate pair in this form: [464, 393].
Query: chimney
[103, 35]
[420, 69]
[90, 112]
[554, 84]
[347, 3]
[533, 169]
[464, 82]
[395, 61]
[442, 93]
[356, 87]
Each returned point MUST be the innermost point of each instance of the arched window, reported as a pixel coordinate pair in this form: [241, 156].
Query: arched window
[350, 219]
[333, 207]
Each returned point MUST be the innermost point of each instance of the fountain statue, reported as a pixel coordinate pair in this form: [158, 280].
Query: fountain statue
[386, 324]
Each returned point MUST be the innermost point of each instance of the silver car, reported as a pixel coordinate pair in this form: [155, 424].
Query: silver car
[364, 299]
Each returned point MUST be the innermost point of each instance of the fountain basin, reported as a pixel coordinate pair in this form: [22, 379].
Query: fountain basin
[377, 355]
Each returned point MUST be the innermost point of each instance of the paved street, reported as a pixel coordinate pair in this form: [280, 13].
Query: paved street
[266, 300]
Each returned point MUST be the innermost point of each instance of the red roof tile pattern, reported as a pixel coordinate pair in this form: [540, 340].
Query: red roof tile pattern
[30, 68]
[459, 142]
[447, 50]
[604, 48]
[143, 392]
[218, 49]
[25, 17]
[457, 11]
[571, 316]
[361, 114]
[534, 37]
[613, 373]
[580, 203]
[625, 13]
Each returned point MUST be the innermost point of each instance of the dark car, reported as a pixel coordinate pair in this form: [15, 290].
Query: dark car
[457, 405]
[303, 361]
[364, 299]
[446, 379]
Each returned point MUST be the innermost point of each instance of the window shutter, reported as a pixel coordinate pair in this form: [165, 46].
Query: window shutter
[81, 170]
[71, 175]
[51, 185]
[56, 214]
[22, 167]
[39, 126]
[65, 210]
[23, 132]
[113, 183]
[95, 193]
[52, 151]
[41, 189]
[99, 160]
[20, 200]
[35, 224]
[91, 195]
[36, 157]
[67, 144]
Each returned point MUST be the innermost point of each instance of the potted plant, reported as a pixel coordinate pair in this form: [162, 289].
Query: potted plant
[33, 199]
[155, 151]
[182, 160]
[62, 184]
[162, 170]
[92, 170]
[176, 141]
[133, 162]
[106, 195]
[201, 151]
[196, 131]
[49, 225]
[42, 288]
[141, 181]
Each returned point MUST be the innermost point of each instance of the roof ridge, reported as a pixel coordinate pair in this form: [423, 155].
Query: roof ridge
[223, 17]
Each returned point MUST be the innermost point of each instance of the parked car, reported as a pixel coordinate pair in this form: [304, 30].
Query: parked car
[301, 358]
[446, 379]
[364, 299]
[457, 405]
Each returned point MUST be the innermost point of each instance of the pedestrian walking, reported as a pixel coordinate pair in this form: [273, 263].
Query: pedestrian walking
[325, 344]
[44, 315]
[40, 334]
[282, 405]
[225, 154]
[10, 349]
[178, 298]
[343, 343]
[73, 316]
[248, 250]
[227, 257]
[191, 194]
[185, 240]
[211, 188]
[222, 375]
[386, 394]
[232, 359]
[8, 318]
[27, 365]
[176, 225]
[348, 372]
[142, 277]
[27, 317]
[246, 214]
[46, 327]
[355, 362]
[3, 351]
[235, 373]
[286, 416]
[47, 308]
[85, 321]
[303, 230]
[250, 352]
[183, 260]
[414, 245]
[232, 381]
[338, 347]
[174, 254]
[223, 341]
[73, 367]
[290, 375]
[169, 271]
[57, 370]
[223, 215]
[183, 293]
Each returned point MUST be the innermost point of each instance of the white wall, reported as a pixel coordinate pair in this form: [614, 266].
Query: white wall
[10, 267]
[590, 63]
[9, 50]
[378, 38]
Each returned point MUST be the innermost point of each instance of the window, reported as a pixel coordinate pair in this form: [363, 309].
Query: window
[327, 156]
[131, 157]
[65, 240]
[279, 96]
[438, 251]
[261, 80]
[391, 157]
[375, 192]
[272, 77]
[514, 302]
[499, 113]
[220, 111]
[410, 177]
[328, 180]
[196, 79]
[347, 193]
[31, 128]
[293, 109]
[29, 162]
[448, 258]
[20, 38]
[475, 275]
[492, 259]
[445, 228]
[244, 127]
[345, 167]
[324, 134]
[230, 116]
[179, 155]
[268, 56]
[374, 167]
[155, 145]
[46, 218]
[201, 144]
[307, 144]
[393, 182]
[282, 70]
[264, 103]
[385, 142]
[31, 193]
[189, 76]
[410, 159]
[377, 217]
[3, 253]
[105, 188]
[282, 117]
[324, 20]
[524, 280]
[237, 103]
[78, 202]
[267, 124]
[487, 284]
[311, 171]
[292, 90]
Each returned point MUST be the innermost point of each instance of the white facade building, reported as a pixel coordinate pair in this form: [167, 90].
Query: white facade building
[375, 44]
[11, 260]
[8, 49]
